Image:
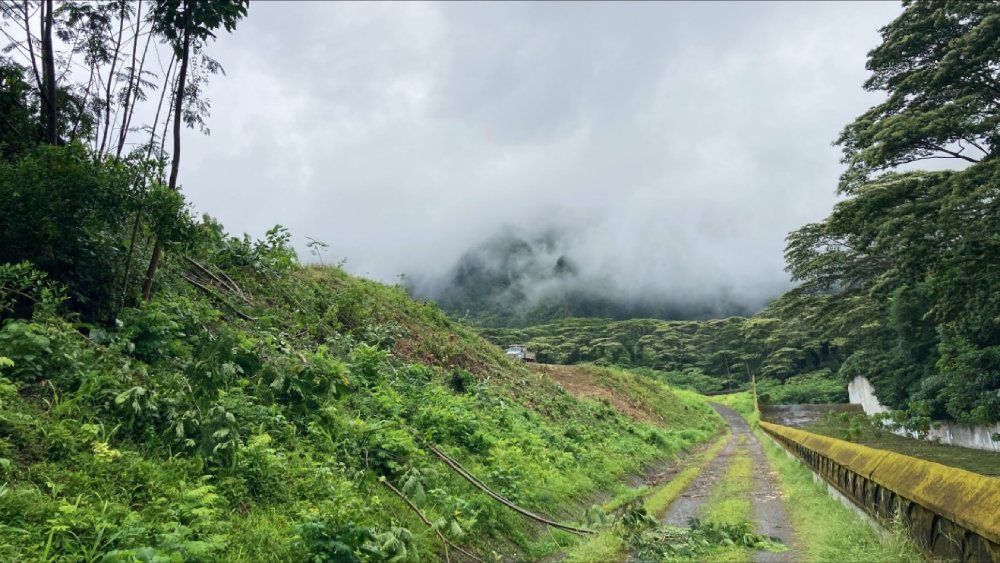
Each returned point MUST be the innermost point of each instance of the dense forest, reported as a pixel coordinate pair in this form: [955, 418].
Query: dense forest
[792, 363]
[901, 283]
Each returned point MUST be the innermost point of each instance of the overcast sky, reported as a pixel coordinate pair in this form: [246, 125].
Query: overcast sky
[675, 144]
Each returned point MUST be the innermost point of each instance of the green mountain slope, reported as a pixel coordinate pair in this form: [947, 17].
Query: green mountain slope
[255, 417]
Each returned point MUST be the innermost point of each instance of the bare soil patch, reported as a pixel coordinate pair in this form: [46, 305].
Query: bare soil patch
[584, 382]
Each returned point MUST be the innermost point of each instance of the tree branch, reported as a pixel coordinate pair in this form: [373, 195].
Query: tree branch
[952, 153]
[31, 50]
[429, 524]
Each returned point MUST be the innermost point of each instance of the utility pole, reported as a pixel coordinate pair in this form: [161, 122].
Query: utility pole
[753, 387]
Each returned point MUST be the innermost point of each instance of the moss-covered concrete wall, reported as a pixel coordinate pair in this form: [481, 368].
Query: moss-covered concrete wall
[951, 513]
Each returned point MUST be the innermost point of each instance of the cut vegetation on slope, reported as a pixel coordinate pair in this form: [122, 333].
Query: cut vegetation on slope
[642, 398]
[190, 432]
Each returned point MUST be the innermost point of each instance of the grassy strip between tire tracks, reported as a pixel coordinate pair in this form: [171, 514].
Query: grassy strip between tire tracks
[607, 545]
[729, 501]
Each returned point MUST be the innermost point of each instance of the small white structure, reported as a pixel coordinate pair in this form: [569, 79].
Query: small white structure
[520, 352]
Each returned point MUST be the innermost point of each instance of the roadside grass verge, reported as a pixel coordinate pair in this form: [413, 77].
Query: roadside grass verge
[827, 530]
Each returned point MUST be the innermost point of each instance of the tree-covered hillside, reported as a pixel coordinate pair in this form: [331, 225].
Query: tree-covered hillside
[708, 356]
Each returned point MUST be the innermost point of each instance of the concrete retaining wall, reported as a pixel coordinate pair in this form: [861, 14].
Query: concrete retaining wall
[949, 512]
[861, 392]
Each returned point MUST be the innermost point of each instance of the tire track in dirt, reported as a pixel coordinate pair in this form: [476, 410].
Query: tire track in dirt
[769, 512]
[689, 503]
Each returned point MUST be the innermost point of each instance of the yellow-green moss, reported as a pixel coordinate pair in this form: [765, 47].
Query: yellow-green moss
[964, 497]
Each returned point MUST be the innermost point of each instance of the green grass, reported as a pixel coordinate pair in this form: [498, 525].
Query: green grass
[969, 459]
[827, 530]
[608, 545]
[184, 433]
[729, 502]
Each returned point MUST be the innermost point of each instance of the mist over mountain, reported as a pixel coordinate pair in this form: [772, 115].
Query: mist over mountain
[519, 277]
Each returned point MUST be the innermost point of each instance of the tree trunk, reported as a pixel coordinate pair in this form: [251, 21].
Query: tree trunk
[154, 262]
[133, 80]
[138, 213]
[26, 10]
[49, 76]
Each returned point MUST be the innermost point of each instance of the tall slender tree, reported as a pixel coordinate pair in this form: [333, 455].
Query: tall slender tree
[187, 25]
[49, 75]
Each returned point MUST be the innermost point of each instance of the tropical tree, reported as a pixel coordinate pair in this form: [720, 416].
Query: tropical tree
[187, 25]
[904, 274]
[938, 64]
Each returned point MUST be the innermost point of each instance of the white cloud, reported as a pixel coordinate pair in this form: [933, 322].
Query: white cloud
[677, 143]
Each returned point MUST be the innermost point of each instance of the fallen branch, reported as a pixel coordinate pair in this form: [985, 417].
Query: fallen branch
[190, 279]
[234, 285]
[430, 525]
[229, 285]
[482, 486]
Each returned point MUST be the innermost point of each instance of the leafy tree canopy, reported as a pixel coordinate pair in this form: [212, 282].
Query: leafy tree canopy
[938, 64]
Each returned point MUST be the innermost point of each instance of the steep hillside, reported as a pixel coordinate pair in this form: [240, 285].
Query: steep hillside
[256, 414]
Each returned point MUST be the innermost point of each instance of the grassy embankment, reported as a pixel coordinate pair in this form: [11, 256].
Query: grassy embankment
[188, 433]
[826, 530]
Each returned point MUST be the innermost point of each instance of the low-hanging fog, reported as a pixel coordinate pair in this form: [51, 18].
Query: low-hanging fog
[665, 150]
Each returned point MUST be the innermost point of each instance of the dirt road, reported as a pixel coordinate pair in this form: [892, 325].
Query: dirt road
[765, 497]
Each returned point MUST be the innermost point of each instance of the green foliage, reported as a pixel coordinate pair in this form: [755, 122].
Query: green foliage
[176, 18]
[810, 388]
[706, 356]
[914, 310]
[24, 289]
[937, 62]
[20, 129]
[903, 274]
[28, 348]
[181, 433]
[648, 540]
[326, 541]
[71, 216]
